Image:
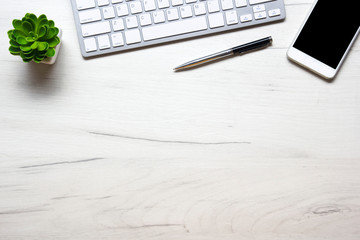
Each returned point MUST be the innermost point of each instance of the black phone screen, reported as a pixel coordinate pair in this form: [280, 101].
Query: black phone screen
[329, 30]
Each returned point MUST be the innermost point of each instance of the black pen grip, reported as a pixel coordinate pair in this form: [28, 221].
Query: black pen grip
[252, 45]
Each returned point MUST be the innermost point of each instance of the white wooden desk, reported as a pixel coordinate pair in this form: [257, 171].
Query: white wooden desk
[121, 147]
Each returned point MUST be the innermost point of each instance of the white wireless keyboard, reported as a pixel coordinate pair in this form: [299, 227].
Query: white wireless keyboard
[106, 26]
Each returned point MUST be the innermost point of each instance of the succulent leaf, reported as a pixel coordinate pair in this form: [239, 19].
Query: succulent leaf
[29, 54]
[25, 48]
[51, 23]
[17, 33]
[31, 16]
[42, 31]
[32, 22]
[54, 41]
[30, 39]
[42, 22]
[24, 56]
[10, 34]
[35, 45]
[50, 52]
[21, 40]
[27, 27]
[33, 38]
[27, 60]
[42, 16]
[38, 59]
[14, 50]
[43, 46]
[17, 24]
[14, 43]
[53, 31]
[41, 55]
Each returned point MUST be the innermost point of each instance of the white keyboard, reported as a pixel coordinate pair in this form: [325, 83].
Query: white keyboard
[106, 26]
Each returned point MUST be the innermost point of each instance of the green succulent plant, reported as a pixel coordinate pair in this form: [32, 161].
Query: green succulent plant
[33, 38]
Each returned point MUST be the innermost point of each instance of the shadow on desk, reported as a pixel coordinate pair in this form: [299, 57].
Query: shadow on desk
[42, 79]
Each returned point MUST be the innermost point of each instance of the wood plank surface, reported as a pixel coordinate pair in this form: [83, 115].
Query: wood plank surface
[121, 147]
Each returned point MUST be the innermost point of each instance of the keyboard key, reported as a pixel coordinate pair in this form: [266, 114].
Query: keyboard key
[89, 16]
[274, 12]
[117, 39]
[231, 17]
[122, 10]
[159, 16]
[103, 2]
[118, 24]
[174, 28]
[108, 12]
[213, 6]
[172, 14]
[145, 19]
[252, 2]
[90, 44]
[259, 8]
[240, 3]
[163, 3]
[246, 18]
[135, 7]
[132, 36]
[227, 4]
[199, 8]
[216, 20]
[91, 29]
[131, 22]
[186, 11]
[260, 15]
[104, 42]
[177, 2]
[85, 4]
[149, 5]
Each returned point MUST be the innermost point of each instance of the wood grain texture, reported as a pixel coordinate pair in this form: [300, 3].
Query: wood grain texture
[121, 147]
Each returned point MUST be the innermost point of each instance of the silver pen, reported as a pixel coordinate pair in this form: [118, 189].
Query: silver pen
[261, 43]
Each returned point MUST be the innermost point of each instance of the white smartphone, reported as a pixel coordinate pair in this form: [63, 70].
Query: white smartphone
[326, 36]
